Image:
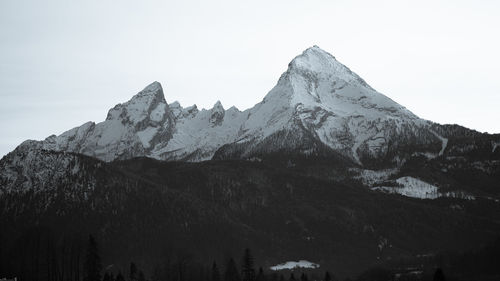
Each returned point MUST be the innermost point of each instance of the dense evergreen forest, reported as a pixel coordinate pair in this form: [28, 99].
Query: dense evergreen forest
[79, 259]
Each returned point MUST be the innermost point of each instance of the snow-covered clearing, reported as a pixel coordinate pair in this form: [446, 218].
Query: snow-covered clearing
[295, 264]
[416, 188]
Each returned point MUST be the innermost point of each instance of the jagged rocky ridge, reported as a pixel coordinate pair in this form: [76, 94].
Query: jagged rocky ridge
[316, 97]
[319, 107]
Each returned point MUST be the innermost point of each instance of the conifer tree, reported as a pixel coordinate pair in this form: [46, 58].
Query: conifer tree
[273, 277]
[107, 277]
[215, 272]
[120, 277]
[327, 277]
[248, 270]
[439, 275]
[158, 273]
[141, 276]
[261, 276]
[231, 273]
[92, 265]
[303, 277]
[292, 278]
[133, 272]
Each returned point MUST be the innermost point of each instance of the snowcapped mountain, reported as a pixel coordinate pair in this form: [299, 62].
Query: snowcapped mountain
[130, 129]
[317, 103]
[318, 108]
[323, 164]
[319, 100]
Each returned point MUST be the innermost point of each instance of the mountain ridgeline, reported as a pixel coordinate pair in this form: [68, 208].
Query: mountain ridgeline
[324, 168]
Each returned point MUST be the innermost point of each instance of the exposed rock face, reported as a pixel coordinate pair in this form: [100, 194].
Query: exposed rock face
[334, 106]
[131, 129]
[217, 114]
[317, 98]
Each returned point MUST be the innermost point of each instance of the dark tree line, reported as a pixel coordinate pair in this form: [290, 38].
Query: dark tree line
[41, 257]
[181, 269]
[44, 258]
[92, 264]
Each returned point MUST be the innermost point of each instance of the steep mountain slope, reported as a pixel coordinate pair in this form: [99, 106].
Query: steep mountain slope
[324, 99]
[319, 108]
[142, 209]
[131, 129]
[318, 100]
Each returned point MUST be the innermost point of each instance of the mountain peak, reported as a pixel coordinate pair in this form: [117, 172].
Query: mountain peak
[218, 106]
[217, 114]
[149, 100]
[155, 85]
[175, 104]
[154, 89]
[318, 61]
[315, 50]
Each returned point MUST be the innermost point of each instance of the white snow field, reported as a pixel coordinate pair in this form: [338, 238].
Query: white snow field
[294, 264]
[416, 188]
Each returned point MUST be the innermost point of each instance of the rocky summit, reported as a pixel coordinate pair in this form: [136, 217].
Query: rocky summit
[317, 97]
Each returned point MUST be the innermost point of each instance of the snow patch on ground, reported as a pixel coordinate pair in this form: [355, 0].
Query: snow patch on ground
[427, 155]
[416, 188]
[458, 195]
[372, 177]
[444, 142]
[295, 264]
[493, 199]
[412, 187]
[494, 146]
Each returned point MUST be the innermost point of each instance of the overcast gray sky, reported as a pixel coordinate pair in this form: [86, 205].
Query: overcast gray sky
[63, 63]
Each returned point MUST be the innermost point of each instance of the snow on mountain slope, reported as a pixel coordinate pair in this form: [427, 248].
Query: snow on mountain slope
[416, 188]
[412, 187]
[444, 143]
[317, 100]
[130, 129]
[325, 98]
[198, 136]
[494, 146]
[318, 108]
[34, 170]
[318, 89]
